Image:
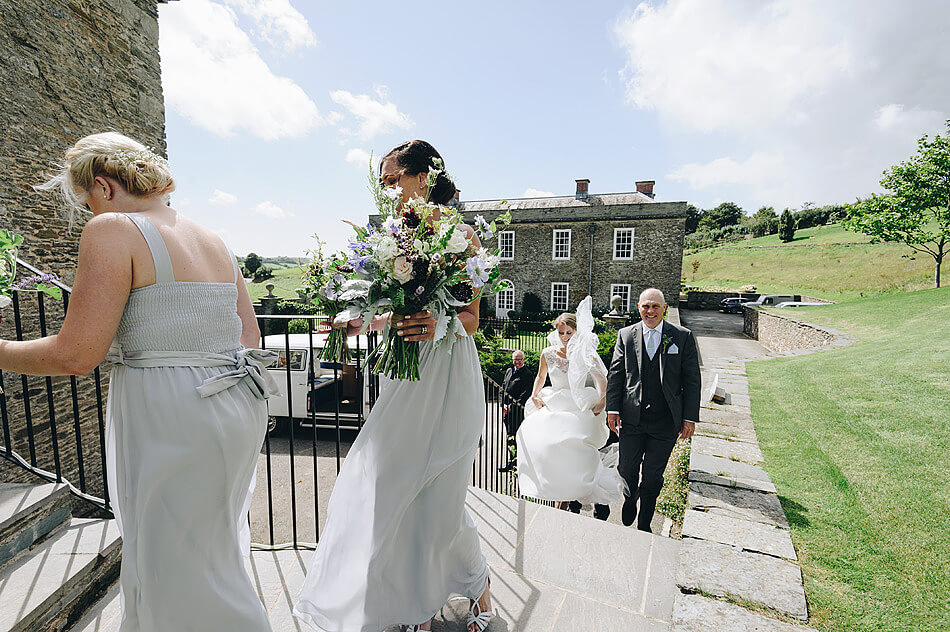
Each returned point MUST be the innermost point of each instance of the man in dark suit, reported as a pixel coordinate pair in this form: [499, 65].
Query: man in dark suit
[653, 394]
[517, 385]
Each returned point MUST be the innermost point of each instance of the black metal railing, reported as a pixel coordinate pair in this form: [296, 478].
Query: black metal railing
[55, 426]
[511, 334]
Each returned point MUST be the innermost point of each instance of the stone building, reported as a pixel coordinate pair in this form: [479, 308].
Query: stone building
[68, 68]
[564, 248]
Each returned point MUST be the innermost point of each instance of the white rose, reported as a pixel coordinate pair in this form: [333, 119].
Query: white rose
[458, 242]
[402, 269]
[386, 250]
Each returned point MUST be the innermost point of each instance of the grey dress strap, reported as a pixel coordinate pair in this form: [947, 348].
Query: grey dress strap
[164, 273]
[237, 271]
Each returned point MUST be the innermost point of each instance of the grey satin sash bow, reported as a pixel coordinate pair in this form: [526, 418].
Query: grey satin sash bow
[250, 367]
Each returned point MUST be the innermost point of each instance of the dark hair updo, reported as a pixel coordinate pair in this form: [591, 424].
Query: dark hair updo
[415, 157]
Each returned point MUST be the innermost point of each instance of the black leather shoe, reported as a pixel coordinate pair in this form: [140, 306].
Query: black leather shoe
[646, 529]
[574, 507]
[629, 513]
[507, 467]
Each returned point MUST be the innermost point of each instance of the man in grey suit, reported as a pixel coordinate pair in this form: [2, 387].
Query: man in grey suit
[653, 394]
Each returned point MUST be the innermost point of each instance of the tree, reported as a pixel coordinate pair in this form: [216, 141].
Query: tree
[726, 214]
[916, 211]
[693, 215]
[252, 262]
[786, 226]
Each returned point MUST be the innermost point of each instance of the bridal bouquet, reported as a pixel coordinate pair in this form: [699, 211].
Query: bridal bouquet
[323, 283]
[419, 259]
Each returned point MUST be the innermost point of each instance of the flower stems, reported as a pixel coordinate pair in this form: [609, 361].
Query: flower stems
[395, 357]
[335, 349]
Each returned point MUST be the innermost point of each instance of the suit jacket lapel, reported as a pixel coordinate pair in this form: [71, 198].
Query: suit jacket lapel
[638, 342]
[659, 350]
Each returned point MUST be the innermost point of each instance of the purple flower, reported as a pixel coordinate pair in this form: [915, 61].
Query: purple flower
[46, 279]
[359, 263]
[357, 246]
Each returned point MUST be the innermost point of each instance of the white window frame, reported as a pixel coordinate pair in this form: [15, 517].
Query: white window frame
[567, 296]
[617, 233]
[501, 245]
[613, 291]
[560, 232]
[508, 293]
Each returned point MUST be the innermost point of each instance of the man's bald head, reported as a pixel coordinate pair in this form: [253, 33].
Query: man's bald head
[652, 306]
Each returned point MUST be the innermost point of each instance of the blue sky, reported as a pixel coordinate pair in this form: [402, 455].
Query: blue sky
[273, 106]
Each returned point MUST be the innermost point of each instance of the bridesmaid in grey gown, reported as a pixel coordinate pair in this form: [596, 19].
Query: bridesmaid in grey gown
[187, 397]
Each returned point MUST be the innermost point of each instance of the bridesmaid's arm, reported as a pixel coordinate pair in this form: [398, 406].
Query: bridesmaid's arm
[469, 314]
[250, 332]
[100, 292]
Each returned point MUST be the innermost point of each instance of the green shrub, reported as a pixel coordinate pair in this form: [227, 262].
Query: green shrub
[531, 303]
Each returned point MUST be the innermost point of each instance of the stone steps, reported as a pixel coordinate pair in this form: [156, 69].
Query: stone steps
[56, 565]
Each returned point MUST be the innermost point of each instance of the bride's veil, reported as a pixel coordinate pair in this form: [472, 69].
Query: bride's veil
[583, 359]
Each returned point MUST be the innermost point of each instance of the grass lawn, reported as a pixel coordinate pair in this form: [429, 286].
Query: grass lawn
[857, 442]
[812, 265]
[286, 281]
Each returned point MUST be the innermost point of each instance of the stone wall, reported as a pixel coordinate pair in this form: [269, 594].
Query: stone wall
[784, 333]
[68, 68]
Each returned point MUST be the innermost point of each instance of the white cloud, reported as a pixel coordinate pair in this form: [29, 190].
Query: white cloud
[375, 117]
[536, 193]
[358, 157]
[221, 198]
[214, 76]
[334, 117]
[278, 23]
[269, 209]
[788, 100]
[754, 169]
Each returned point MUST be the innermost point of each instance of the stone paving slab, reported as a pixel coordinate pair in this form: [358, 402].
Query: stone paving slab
[726, 418]
[724, 571]
[719, 446]
[735, 502]
[730, 433]
[695, 613]
[742, 534]
[721, 471]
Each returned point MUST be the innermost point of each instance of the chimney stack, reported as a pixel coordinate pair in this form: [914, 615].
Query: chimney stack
[582, 189]
[646, 187]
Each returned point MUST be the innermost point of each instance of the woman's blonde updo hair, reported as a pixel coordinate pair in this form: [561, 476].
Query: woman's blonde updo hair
[566, 318]
[138, 169]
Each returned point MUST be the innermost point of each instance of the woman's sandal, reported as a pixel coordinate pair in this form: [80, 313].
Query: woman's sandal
[478, 617]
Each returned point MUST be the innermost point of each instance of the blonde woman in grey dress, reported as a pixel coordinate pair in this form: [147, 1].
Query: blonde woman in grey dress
[186, 409]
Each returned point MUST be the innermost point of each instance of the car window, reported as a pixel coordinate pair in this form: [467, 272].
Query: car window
[298, 358]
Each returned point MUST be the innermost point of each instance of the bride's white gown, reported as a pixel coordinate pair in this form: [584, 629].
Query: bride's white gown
[398, 539]
[558, 444]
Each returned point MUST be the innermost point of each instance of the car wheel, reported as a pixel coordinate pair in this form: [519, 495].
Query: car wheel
[273, 425]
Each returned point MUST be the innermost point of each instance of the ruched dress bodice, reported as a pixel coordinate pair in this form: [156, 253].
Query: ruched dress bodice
[181, 316]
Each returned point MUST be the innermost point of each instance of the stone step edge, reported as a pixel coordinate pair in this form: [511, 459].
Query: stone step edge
[753, 610]
[31, 525]
[69, 601]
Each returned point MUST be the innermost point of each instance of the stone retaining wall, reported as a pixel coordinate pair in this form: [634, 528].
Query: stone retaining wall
[780, 333]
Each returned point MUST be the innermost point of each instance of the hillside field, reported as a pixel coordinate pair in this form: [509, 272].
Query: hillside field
[824, 261]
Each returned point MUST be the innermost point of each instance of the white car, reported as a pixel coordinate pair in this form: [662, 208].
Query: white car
[797, 304]
[335, 388]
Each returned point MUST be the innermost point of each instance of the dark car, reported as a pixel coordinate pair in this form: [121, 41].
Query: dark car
[732, 305]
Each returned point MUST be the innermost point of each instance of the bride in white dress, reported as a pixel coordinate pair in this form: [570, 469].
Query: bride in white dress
[559, 442]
